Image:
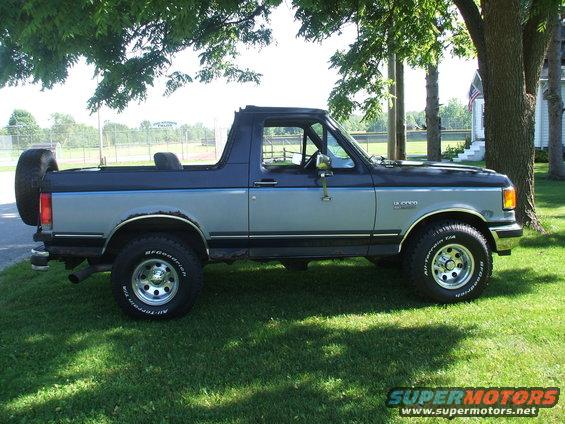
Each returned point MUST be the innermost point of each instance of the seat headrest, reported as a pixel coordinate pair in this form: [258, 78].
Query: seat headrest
[167, 161]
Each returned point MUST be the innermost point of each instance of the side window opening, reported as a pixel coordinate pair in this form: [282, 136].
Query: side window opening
[292, 144]
[286, 146]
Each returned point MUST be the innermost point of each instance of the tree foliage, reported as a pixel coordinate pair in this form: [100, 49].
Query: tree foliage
[455, 115]
[418, 31]
[22, 118]
[130, 42]
[23, 128]
[198, 131]
[63, 126]
[67, 132]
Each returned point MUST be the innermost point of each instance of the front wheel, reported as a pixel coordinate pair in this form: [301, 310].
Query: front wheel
[156, 276]
[448, 262]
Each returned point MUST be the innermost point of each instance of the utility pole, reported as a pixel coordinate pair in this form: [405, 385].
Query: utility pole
[400, 112]
[100, 135]
[433, 125]
[391, 146]
[100, 139]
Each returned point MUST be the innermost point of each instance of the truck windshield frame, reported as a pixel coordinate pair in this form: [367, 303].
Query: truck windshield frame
[338, 128]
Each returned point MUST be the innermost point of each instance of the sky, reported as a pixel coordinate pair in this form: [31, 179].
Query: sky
[295, 73]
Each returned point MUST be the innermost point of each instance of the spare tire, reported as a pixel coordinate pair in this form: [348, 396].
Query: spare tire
[32, 167]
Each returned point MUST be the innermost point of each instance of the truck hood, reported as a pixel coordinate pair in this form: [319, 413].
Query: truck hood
[445, 165]
[411, 173]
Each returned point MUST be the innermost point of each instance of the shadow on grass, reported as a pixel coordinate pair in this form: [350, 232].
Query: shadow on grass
[544, 240]
[516, 282]
[255, 373]
[549, 193]
[262, 345]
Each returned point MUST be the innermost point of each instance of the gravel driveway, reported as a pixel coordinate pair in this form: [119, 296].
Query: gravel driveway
[15, 237]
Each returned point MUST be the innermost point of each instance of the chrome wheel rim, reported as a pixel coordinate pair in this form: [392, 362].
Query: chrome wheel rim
[452, 266]
[155, 282]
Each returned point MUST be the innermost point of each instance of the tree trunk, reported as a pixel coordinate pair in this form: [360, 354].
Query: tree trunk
[555, 105]
[400, 112]
[509, 109]
[391, 146]
[432, 114]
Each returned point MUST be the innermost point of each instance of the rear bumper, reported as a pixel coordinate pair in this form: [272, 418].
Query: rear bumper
[60, 246]
[42, 254]
[506, 237]
[39, 259]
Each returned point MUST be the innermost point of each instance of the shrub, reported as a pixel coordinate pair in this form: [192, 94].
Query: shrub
[468, 141]
[540, 156]
[451, 152]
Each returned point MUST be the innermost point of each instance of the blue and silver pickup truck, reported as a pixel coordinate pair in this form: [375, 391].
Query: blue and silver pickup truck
[155, 227]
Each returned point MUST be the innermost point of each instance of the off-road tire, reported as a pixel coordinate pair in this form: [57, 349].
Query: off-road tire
[32, 166]
[173, 251]
[424, 245]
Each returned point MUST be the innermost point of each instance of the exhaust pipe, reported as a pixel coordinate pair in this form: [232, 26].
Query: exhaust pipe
[77, 276]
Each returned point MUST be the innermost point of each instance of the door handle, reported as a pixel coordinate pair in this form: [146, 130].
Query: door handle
[265, 183]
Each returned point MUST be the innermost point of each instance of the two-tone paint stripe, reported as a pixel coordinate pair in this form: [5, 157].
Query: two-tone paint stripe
[302, 234]
[303, 238]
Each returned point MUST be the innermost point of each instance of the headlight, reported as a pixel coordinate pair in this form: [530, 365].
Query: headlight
[509, 198]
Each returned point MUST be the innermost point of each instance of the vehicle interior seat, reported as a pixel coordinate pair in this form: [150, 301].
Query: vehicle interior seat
[167, 161]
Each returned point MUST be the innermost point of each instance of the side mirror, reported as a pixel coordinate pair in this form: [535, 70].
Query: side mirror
[323, 162]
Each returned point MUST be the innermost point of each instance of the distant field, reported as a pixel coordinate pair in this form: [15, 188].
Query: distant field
[413, 148]
[125, 155]
[190, 153]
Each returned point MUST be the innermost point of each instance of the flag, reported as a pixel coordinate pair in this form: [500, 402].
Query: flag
[473, 94]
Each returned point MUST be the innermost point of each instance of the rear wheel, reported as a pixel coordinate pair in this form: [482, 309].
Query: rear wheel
[156, 276]
[448, 262]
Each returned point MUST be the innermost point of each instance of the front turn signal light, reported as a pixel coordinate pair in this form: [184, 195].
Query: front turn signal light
[509, 198]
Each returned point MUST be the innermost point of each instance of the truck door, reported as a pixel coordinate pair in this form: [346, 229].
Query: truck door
[289, 216]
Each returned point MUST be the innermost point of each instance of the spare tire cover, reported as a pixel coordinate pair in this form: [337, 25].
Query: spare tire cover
[32, 166]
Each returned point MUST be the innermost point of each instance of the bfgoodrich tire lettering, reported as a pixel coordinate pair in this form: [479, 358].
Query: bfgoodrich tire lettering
[169, 252]
[467, 242]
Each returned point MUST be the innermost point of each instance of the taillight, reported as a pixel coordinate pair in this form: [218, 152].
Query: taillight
[509, 198]
[45, 211]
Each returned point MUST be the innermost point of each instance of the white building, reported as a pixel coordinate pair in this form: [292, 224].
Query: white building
[476, 101]
[477, 104]
[542, 121]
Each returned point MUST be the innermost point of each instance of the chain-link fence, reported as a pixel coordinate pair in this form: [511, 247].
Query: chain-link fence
[81, 146]
[374, 143]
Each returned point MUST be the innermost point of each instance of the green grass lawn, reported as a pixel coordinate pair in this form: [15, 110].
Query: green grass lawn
[413, 148]
[266, 345]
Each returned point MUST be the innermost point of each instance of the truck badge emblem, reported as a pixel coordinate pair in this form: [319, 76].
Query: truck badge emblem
[405, 204]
